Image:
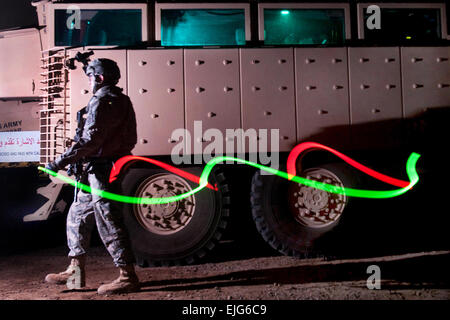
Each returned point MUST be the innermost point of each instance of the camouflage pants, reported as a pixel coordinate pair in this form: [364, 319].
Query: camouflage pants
[90, 210]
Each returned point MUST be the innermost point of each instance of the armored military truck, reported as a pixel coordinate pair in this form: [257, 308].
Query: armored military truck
[249, 79]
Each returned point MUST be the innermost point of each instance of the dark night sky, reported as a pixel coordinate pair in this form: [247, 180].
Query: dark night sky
[14, 13]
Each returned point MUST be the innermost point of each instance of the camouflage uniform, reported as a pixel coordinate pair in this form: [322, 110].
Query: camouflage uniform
[109, 132]
[89, 210]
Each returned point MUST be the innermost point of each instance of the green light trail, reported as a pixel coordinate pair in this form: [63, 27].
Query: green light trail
[359, 193]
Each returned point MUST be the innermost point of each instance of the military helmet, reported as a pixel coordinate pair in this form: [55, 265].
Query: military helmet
[106, 67]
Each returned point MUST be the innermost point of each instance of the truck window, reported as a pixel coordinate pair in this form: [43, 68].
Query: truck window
[99, 27]
[405, 24]
[304, 26]
[202, 27]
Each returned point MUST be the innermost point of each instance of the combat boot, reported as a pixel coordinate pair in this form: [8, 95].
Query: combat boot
[62, 277]
[125, 283]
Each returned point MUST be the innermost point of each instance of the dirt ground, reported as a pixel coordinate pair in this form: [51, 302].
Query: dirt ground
[410, 276]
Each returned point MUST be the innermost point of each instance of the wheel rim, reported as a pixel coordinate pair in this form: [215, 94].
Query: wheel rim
[313, 207]
[167, 218]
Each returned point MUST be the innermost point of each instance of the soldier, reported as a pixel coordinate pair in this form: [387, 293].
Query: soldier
[108, 133]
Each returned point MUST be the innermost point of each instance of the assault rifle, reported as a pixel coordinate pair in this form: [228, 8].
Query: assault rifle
[76, 169]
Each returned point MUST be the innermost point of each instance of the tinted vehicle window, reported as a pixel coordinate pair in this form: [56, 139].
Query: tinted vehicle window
[405, 24]
[99, 27]
[202, 27]
[304, 26]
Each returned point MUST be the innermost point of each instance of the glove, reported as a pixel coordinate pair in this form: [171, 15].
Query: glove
[52, 166]
[56, 165]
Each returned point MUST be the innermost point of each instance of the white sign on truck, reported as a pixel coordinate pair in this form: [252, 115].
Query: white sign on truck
[19, 146]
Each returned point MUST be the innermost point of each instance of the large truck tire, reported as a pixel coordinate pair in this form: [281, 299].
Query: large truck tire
[180, 232]
[291, 217]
